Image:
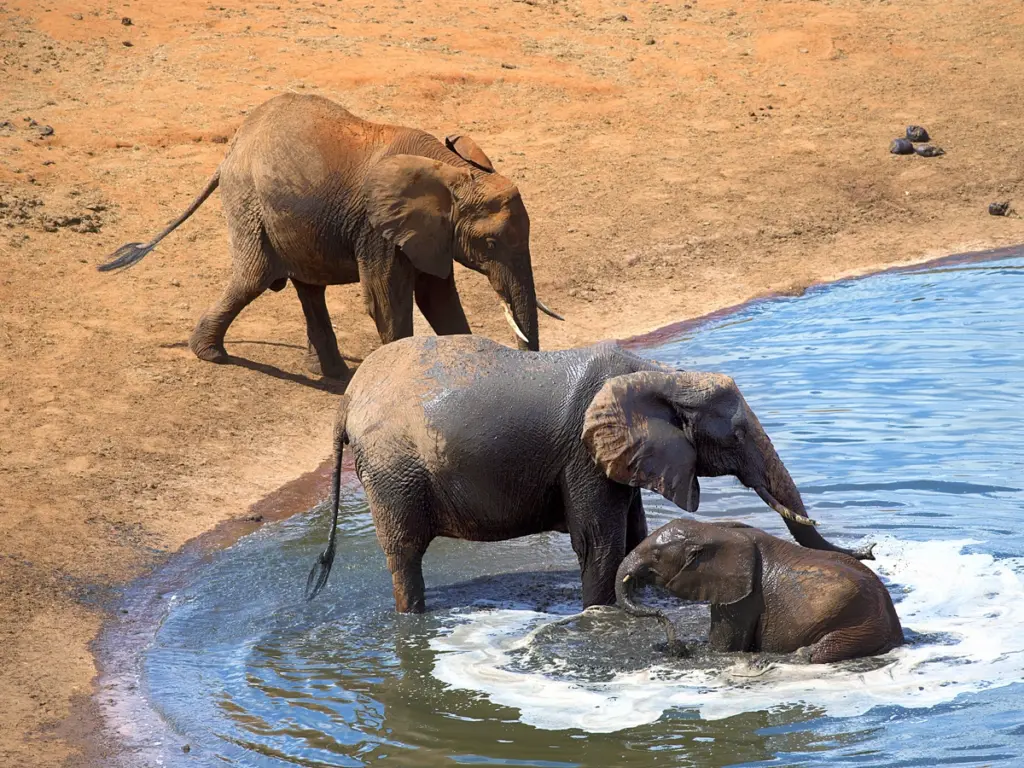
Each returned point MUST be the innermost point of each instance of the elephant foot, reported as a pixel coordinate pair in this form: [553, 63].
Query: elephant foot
[334, 369]
[211, 353]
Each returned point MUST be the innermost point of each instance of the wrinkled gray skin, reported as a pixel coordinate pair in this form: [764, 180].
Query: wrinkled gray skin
[766, 594]
[459, 436]
[315, 195]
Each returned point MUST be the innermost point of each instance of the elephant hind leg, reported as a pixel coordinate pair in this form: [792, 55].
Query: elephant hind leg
[406, 568]
[207, 340]
[846, 643]
[251, 275]
[400, 507]
[324, 357]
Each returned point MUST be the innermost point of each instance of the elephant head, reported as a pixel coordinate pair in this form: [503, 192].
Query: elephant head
[662, 430]
[694, 561]
[435, 211]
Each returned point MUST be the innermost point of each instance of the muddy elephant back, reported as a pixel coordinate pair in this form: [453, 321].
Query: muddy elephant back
[293, 143]
[293, 115]
[404, 373]
[385, 373]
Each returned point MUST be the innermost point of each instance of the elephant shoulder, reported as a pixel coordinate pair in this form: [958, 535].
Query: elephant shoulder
[589, 368]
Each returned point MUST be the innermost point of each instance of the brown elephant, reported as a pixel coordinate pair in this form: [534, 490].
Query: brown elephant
[315, 195]
[460, 437]
[766, 594]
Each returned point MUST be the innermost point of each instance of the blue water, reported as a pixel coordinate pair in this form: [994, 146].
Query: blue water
[894, 400]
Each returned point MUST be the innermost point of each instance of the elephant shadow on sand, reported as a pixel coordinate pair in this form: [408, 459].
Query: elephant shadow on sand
[334, 386]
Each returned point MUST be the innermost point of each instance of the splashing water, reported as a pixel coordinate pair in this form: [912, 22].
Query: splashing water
[981, 624]
[895, 402]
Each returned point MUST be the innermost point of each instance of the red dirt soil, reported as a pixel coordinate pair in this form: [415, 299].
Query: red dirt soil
[676, 157]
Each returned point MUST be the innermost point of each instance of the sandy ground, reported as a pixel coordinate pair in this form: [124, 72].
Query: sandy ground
[676, 157]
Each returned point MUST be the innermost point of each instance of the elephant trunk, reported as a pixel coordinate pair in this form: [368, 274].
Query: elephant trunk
[514, 284]
[779, 491]
[632, 570]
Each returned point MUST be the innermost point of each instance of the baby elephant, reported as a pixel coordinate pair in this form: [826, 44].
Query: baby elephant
[765, 593]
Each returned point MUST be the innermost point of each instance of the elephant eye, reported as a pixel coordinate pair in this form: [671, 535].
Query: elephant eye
[491, 243]
[692, 556]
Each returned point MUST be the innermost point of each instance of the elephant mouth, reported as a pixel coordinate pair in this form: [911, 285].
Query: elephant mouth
[785, 512]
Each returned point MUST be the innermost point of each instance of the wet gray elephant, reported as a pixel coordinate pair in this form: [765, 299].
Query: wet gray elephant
[316, 195]
[458, 436]
[766, 594]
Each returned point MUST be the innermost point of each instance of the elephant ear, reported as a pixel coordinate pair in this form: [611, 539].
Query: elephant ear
[468, 150]
[409, 202]
[721, 568]
[631, 430]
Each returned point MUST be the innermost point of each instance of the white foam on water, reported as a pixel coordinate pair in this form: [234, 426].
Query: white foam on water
[974, 601]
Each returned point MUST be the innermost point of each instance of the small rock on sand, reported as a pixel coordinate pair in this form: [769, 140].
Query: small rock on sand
[917, 133]
[901, 147]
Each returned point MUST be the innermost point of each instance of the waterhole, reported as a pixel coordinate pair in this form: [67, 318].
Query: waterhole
[895, 400]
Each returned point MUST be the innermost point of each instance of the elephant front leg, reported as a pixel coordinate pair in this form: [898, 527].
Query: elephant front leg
[636, 522]
[734, 625]
[387, 293]
[324, 357]
[598, 564]
[438, 300]
[596, 512]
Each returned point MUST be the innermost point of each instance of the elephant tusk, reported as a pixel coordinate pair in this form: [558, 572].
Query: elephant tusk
[783, 511]
[512, 322]
[626, 578]
[548, 311]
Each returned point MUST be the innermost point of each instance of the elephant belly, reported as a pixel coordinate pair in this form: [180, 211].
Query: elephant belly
[325, 273]
[315, 258]
[485, 515]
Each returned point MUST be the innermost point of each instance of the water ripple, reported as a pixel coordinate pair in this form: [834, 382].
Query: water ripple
[894, 401]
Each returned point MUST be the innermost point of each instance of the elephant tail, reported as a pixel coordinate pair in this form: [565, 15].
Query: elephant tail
[131, 253]
[321, 569]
